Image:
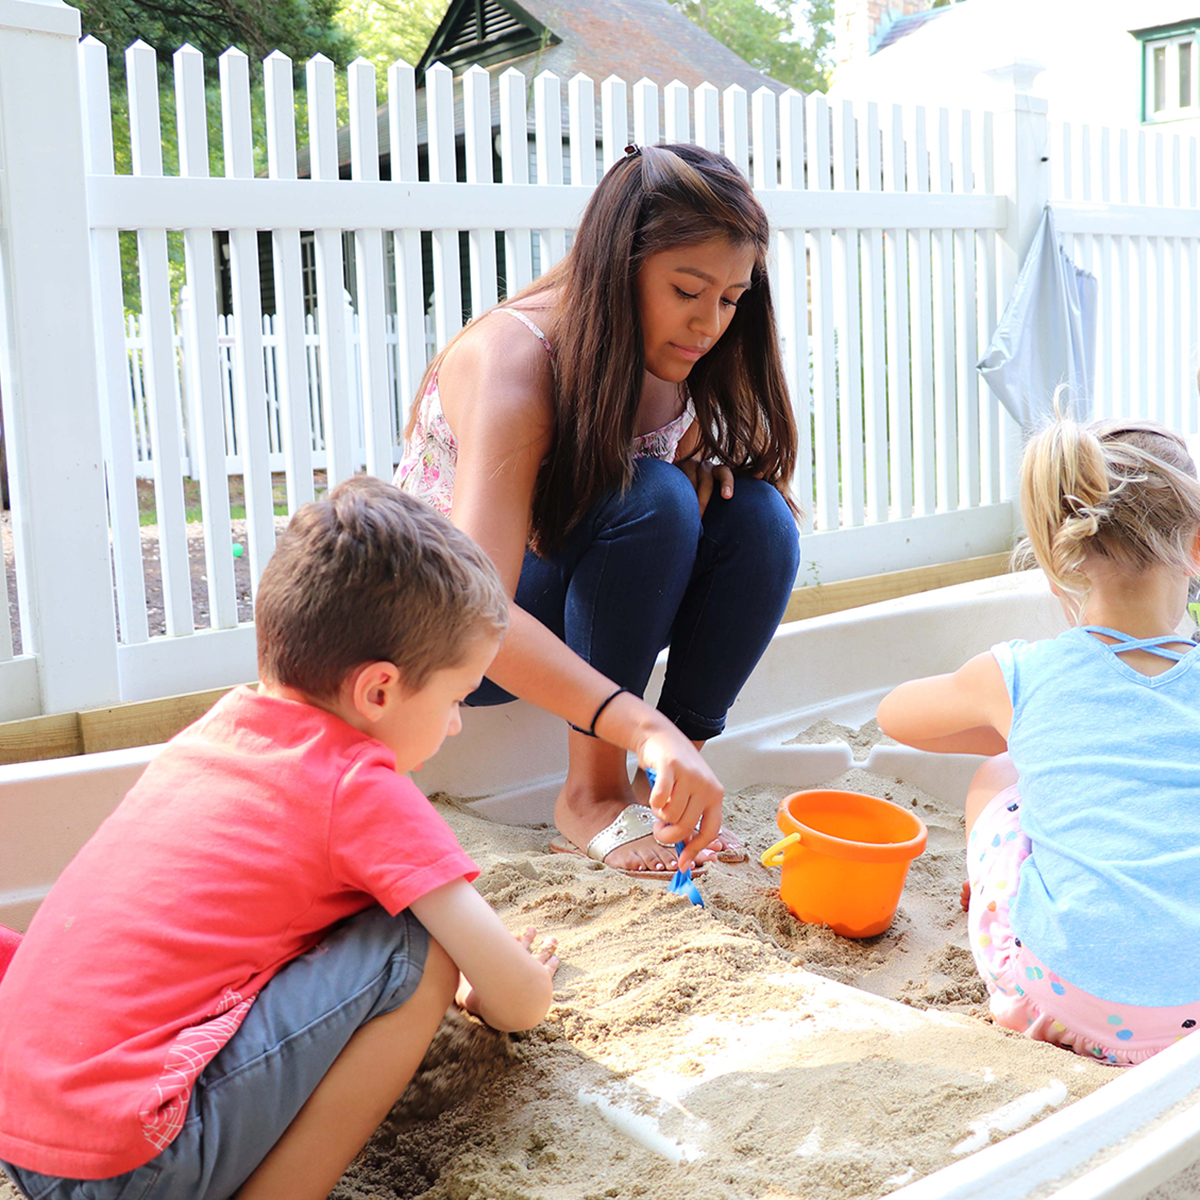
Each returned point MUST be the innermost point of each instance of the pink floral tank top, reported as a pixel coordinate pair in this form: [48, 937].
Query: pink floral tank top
[427, 468]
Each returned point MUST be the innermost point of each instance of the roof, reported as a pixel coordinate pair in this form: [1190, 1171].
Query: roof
[632, 39]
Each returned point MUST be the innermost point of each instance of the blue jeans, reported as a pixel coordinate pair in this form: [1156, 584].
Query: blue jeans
[247, 1096]
[643, 570]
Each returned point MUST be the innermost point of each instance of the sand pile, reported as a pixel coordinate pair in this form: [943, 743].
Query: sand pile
[728, 1052]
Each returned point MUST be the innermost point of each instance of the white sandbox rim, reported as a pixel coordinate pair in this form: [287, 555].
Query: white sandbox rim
[1120, 1142]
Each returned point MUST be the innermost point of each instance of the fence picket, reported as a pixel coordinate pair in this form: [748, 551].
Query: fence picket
[825, 433]
[1106, 271]
[766, 154]
[899, 382]
[447, 280]
[410, 285]
[291, 368]
[159, 332]
[581, 100]
[847, 293]
[330, 267]
[477, 144]
[990, 437]
[250, 392]
[514, 166]
[676, 117]
[945, 411]
[547, 103]
[206, 432]
[966, 350]
[875, 428]
[376, 395]
[921, 321]
[116, 393]
[614, 119]
[645, 112]
[707, 102]
[793, 306]
[734, 118]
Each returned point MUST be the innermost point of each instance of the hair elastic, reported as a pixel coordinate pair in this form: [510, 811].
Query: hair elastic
[591, 730]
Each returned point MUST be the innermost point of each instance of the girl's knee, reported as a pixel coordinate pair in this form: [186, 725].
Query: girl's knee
[993, 776]
[664, 495]
[761, 506]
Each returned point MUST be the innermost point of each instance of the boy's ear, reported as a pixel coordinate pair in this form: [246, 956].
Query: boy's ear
[372, 689]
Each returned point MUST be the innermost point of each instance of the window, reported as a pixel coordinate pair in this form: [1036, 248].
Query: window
[1170, 78]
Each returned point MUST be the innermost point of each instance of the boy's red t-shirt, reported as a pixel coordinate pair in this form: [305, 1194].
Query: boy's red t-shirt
[254, 831]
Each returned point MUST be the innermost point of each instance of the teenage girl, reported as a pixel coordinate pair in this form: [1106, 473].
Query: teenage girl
[619, 438]
[1083, 848]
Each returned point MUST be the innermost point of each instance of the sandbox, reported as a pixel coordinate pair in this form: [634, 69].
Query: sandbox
[731, 1052]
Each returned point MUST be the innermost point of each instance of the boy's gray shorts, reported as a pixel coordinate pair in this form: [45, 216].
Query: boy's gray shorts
[247, 1096]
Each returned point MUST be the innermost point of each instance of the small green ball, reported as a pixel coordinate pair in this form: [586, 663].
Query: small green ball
[238, 550]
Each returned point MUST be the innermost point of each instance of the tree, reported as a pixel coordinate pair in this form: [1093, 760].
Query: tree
[299, 28]
[765, 33]
[385, 30]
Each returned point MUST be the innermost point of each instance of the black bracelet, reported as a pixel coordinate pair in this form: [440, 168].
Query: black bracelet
[591, 730]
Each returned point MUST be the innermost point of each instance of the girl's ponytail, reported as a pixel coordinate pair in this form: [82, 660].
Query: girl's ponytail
[1124, 490]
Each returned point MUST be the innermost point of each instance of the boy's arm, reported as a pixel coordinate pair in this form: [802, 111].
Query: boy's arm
[513, 987]
[967, 712]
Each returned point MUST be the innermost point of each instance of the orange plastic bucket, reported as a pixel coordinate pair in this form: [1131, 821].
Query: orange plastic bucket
[845, 857]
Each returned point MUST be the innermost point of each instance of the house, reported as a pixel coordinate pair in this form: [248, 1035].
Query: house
[632, 39]
[1106, 62]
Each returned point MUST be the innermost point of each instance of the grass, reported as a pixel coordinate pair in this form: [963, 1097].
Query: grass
[147, 514]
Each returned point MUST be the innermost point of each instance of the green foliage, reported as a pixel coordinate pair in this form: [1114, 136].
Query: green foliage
[765, 34]
[385, 30]
[299, 28]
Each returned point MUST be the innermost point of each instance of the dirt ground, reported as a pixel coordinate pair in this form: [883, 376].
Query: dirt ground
[151, 563]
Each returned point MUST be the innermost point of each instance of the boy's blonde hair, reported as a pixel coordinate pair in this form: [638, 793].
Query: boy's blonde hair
[369, 574]
[1125, 490]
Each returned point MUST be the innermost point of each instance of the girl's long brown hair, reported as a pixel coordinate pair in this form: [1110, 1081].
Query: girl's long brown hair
[652, 200]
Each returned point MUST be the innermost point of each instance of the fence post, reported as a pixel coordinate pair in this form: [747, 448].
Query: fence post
[48, 361]
[1022, 174]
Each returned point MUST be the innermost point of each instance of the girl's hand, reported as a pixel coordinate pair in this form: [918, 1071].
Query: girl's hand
[706, 477]
[685, 794]
[466, 998]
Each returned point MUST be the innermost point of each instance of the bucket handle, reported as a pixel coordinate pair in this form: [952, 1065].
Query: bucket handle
[774, 856]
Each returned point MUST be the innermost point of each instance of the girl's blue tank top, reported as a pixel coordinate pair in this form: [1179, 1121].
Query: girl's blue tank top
[1109, 766]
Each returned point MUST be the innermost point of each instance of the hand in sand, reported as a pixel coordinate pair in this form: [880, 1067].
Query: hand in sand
[686, 794]
[465, 996]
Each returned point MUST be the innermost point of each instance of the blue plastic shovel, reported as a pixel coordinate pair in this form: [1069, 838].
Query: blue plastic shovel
[682, 884]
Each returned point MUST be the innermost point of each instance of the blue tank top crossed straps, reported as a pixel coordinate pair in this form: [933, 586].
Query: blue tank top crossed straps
[1109, 766]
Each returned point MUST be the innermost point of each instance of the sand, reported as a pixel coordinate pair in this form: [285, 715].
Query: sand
[726, 1052]
[729, 1051]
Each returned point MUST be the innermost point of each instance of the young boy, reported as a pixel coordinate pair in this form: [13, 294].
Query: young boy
[234, 980]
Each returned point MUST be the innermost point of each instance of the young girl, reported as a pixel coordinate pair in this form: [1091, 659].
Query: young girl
[619, 438]
[1083, 852]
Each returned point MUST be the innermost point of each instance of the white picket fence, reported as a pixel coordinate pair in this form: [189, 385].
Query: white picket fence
[898, 235]
[188, 404]
[1126, 204]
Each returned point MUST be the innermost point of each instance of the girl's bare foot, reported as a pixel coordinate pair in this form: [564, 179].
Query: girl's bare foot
[965, 898]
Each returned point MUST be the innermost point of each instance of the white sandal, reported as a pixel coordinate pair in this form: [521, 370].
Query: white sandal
[633, 822]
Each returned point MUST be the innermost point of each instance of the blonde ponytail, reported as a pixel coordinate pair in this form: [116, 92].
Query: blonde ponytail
[1125, 490]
